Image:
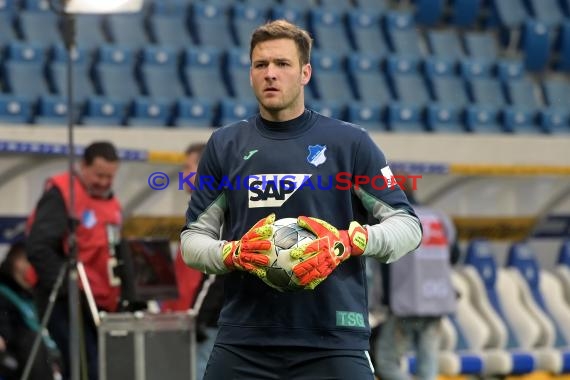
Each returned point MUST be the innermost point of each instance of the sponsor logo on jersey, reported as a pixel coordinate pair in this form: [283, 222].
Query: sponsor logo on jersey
[316, 155]
[273, 190]
[388, 176]
[349, 319]
[250, 154]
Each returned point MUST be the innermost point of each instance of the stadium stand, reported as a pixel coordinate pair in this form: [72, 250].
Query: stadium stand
[472, 66]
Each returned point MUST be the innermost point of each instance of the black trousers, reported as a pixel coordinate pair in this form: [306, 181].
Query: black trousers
[20, 350]
[231, 362]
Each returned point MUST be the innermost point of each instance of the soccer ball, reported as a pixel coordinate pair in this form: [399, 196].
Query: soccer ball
[287, 235]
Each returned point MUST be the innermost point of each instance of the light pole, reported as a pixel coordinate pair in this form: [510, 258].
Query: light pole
[68, 9]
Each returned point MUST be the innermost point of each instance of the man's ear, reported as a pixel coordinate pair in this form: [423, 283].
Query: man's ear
[306, 74]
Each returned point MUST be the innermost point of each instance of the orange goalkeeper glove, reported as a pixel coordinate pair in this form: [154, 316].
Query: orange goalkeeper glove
[251, 253]
[320, 257]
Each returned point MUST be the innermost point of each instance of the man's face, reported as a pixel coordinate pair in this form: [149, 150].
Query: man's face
[98, 177]
[278, 79]
[190, 166]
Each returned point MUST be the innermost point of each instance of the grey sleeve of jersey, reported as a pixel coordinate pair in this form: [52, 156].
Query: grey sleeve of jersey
[397, 234]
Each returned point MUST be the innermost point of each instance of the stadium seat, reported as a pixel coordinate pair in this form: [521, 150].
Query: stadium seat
[294, 15]
[340, 5]
[127, 30]
[402, 35]
[303, 5]
[210, 25]
[89, 32]
[193, 113]
[368, 78]
[100, 111]
[328, 30]
[475, 68]
[482, 119]
[445, 44]
[82, 84]
[528, 276]
[52, 111]
[465, 12]
[330, 79]
[114, 73]
[366, 115]
[407, 84]
[38, 24]
[517, 120]
[486, 92]
[483, 275]
[481, 45]
[244, 19]
[170, 28]
[444, 119]
[429, 12]
[523, 93]
[234, 110]
[328, 109]
[23, 72]
[404, 118]
[508, 70]
[556, 116]
[160, 75]
[366, 32]
[203, 73]
[147, 112]
[376, 6]
[447, 88]
[535, 45]
[563, 62]
[7, 30]
[15, 109]
[548, 12]
[237, 66]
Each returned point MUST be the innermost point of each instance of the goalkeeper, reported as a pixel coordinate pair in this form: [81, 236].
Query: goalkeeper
[321, 332]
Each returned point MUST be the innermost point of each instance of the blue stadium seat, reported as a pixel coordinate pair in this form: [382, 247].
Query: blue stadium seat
[482, 119]
[203, 74]
[523, 93]
[403, 118]
[511, 14]
[547, 12]
[340, 5]
[402, 34]
[7, 30]
[555, 121]
[195, 113]
[160, 75]
[237, 66]
[370, 84]
[366, 116]
[447, 88]
[465, 12]
[328, 109]
[535, 45]
[89, 31]
[23, 72]
[211, 25]
[407, 84]
[147, 112]
[127, 30]
[429, 12]
[114, 73]
[366, 32]
[376, 6]
[261, 3]
[475, 68]
[330, 79]
[445, 43]
[232, 110]
[438, 66]
[52, 111]
[170, 29]
[82, 84]
[556, 117]
[508, 70]
[486, 92]
[15, 109]
[481, 45]
[517, 120]
[328, 30]
[522, 257]
[8, 6]
[303, 5]
[38, 24]
[294, 15]
[441, 118]
[101, 111]
[169, 7]
[245, 18]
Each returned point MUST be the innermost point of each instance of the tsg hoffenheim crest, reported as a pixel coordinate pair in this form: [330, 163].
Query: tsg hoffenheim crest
[317, 154]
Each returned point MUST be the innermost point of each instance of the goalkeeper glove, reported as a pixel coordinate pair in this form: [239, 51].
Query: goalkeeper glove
[251, 252]
[320, 257]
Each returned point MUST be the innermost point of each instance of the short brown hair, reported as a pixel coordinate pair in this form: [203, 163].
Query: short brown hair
[195, 148]
[277, 29]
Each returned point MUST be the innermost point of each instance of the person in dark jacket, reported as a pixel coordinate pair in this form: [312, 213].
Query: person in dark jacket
[19, 323]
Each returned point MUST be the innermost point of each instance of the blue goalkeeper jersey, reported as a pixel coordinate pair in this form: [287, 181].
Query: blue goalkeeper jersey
[305, 166]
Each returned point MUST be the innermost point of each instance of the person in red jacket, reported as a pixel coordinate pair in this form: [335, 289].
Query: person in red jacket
[98, 222]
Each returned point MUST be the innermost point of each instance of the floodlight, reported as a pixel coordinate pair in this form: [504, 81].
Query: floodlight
[103, 6]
